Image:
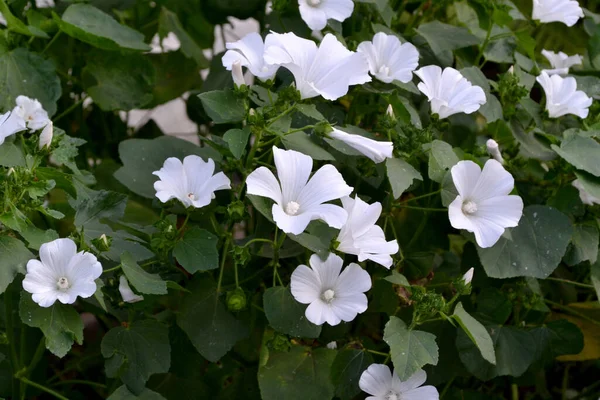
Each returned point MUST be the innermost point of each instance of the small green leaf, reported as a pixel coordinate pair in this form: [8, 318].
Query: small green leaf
[401, 175]
[397, 279]
[141, 280]
[197, 250]
[102, 204]
[63, 181]
[237, 139]
[441, 158]
[584, 245]
[223, 106]
[286, 315]
[263, 205]
[35, 237]
[310, 110]
[443, 37]
[11, 155]
[122, 393]
[13, 260]
[302, 142]
[476, 332]
[348, 366]
[581, 152]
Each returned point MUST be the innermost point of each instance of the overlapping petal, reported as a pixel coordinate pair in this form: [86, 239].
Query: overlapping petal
[562, 96]
[249, 53]
[560, 62]
[315, 13]
[389, 59]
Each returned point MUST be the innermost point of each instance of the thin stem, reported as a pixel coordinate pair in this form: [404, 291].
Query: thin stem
[68, 110]
[379, 353]
[223, 259]
[283, 114]
[255, 240]
[446, 387]
[572, 311]
[424, 208]
[112, 269]
[419, 197]
[485, 43]
[300, 129]
[185, 221]
[43, 388]
[515, 391]
[570, 282]
[80, 382]
[51, 42]
[253, 150]
[237, 282]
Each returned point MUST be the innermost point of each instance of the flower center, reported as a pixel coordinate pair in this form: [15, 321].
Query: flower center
[62, 283]
[313, 3]
[265, 68]
[191, 196]
[328, 295]
[469, 207]
[391, 395]
[384, 70]
[292, 208]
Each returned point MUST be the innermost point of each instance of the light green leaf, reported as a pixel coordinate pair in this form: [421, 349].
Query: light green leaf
[302, 143]
[13, 260]
[223, 106]
[141, 280]
[122, 393]
[476, 332]
[60, 323]
[401, 175]
[534, 248]
[197, 250]
[16, 25]
[135, 352]
[397, 279]
[102, 204]
[348, 366]
[584, 245]
[310, 110]
[441, 159]
[410, 349]
[443, 37]
[286, 315]
[590, 183]
[169, 22]
[63, 181]
[237, 140]
[11, 155]
[35, 237]
[581, 152]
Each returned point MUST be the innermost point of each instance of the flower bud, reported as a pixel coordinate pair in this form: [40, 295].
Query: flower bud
[46, 135]
[11, 171]
[468, 276]
[332, 345]
[390, 112]
[102, 243]
[494, 151]
[237, 74]
[236, 211]
[511, 70]
[236, 300]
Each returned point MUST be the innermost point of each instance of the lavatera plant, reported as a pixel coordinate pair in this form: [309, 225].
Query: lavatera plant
[335, 199]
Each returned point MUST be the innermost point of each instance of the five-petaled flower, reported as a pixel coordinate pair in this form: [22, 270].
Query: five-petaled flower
[62, 274]
[32, 111]
[192, 182]
[316, 12]
[249, 53]
[566, 11]
[449, 92]
[562, 96]
[373, 149]
[560, 62]
[10, 123]
[383, 384]
[389, 59]
[483, 205]
[332, 296]
[298, 199]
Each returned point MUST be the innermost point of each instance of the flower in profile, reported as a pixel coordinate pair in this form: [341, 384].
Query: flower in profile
[566, 11]
[382, 384]
[192, 182]
[389, 59]
[361, 236]
[483, 205]
[46, 135]
[493, 150]
[249, 52]
[560, 62]
[10, 123]
[316, 12]
[237, 74]
[62, 274]
[562, 96]
[448, 91]
[32, 112]
[332, 297]
[298, 199]
[126, 293]
[327, 70]
[373, 149]
[585, 197]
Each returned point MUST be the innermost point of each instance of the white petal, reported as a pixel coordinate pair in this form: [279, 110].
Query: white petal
[126, 293]
[305, 285]
[45, 299]
[565, 11]
[353, 280]
[431, 76]
[328, 271]
[293, 170]
[10, 123]
[249, 52]
[458, 219]
[200, 180]
[57, 254]
[339, 10]
[46, 135]
[294, 224]
[413, 382]
[318, 312]
[494, 181]
[376, 380]
[422, 393]
[348, 307]
[505, 211]
[39, 278]
[325, 185]
[315, 18]
[262, 182]
[465, 175]
[373, 149]
[332, 215]
[486, 232]
[173, 182]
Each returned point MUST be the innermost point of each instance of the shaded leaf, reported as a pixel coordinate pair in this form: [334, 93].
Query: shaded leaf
[581, 152]
[237, 139]
[476, 332]
[141, 280]
[197, 250]
[401, 175]
[223, 106]
[286, 315]
[348, 366]
[13, 260]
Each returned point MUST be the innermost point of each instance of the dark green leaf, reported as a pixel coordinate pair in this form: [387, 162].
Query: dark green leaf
[122, 393]
[581, 152]
[348, 366]
[175, 75]
[13, 260]
[102, 204]
[397, 279]
[63, 181]
[441, 159]
[237, 139]
[141, 280]
[223, 106]
[584, 245]
[302, 142]
[401, 175]
[286, 315]
[476, 332]
[443, 37]
[197, 250]
[36, 237]
[11, 155]
[169, 22]
[16, 25]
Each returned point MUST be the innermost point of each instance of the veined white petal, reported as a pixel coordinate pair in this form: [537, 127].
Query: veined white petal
[566, 11]
[373, 149]
[325, 185]
[293, 170]
[315, 13]
[352, 280]
[465, 175]
[561, 62]
[493, 181]
[262, 182]
[249, 52]
[332, 215]
[562, 96]
[422, 393]
[294, 224]
[414, 381]
[487, 232]
[10, 123]
[305, 285]
[389, 59]
[376, 380]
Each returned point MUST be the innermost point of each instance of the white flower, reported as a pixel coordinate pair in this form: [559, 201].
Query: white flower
[585, 197]
[316, 12]
[374, 149]
[299, 200]
[62, 274]
[449, 92]
[378, 381]
[362, 237]
[389, 59]
[32, 112]
[562, 96]
[333, 297]
[494, 150]
[327, 70]
[483, 205]
[249, 51]
[468, 276]
[332, 345]
[560, 62]
[237, 74]
[10, 123]
[46, 135]
[566, 11]
[126, 293]
[191, 182]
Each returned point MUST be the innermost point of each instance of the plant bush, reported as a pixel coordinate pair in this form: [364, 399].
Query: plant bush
[389, 198]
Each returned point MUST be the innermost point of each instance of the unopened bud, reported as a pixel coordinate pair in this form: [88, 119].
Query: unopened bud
[494, 150]
[102, 243]
[46, 135]
[390, 112]
[237, 74]
[236, 300]
[468, 276]
[11, 171]
[252, 112]
[332, 345]
[511, 70]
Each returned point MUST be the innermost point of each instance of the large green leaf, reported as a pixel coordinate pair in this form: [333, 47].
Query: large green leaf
[237, 139]
[60, 323]
[137, 351]
[223, 106]
[534, 248]
[300, 374]
[410, 349]
[443, 37]
[11, 155]
[441, 159]
[14, 257]
[584, 245]
[175, 75]
[401, 175]
[348, 366]
[143, 281]
[122, 393]
[581, 152]
[286, 315]
[197, 250]
[476, 332]
[169, 22]
[88, 24]
[210, 327]
[101, 204]
[301, 142]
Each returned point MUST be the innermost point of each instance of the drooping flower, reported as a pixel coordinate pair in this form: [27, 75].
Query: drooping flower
[327, 70]
[562, 96]
[382, 384]
[237, 74]
[449, 92]
[468, 276]
[362, 237]
[332, 297]
[560, 62]
[483, 205]
[566, 11]
[298, 199]
[389, 59]
[191, 182]
[10, 123]
[46, 135]
[494, 150]
[373, 149]
[126, 293]
[316, 12]
[32, 112]
[249, 51]
[585, 197]
[62, 274]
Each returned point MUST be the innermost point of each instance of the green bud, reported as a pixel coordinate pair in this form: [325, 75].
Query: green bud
[241, 255]
[236, 211]
[236, 300]
[323, 128]
[102, 243]
[280, 343]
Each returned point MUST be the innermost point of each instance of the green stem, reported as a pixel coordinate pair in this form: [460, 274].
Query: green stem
[185, 221]
[379, 353]
[111, 269]
[68, 110]
[570, 282]
[418, 197]
[253, 150]
[300, 129]
[572, 311]
[424, 208]
[446, 387]
[51, 42]
[515, 391]
[37, 356]
[485, 43]
[255, 240]
[10, 330]
[283, 114]
[223, 259]
[80, 382]
[43, 388]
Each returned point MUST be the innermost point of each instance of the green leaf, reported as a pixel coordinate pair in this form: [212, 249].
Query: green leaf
[137, 351]
[11, 155]
[557, 338]
[67, 149]
[476, 332]
[16, 25]
[441, 159]
[60, 323]
[13, 260]
[169, 22]
[581, 152]
[310, 110]
[590, 183]
[237, 139]
[443, 37]
[223, 106]
[348, 366]
[534, 248]
[174, 76]
[42, 83]
[122, 393]
[101, 204]
[300, 374]
[210, 327]
[584, 245]
[141, 157]
[63, 181]
[36, 237]
[263, 205]
[302, 142]
[401, 175]
[286, 315]
[92, 26]
[317, 238]
[397, 279]
[410, 349]
[141, 280]
[197, 250]
[595, 277]
[492, 109]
